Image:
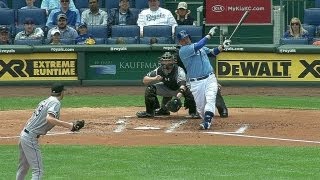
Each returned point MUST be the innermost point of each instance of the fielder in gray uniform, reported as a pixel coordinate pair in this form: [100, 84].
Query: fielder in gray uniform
[43, 119]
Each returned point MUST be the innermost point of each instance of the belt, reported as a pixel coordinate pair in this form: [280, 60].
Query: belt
[200, 78]
[28, 132]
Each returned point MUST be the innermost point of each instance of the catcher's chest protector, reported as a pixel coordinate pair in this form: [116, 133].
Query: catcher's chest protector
[170, 80]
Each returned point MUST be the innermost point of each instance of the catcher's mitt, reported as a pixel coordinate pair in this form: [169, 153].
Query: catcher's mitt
[174, 104]
[77, 125]
[90, 41]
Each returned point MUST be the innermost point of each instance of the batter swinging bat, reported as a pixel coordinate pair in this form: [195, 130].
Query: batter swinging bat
[244, 16]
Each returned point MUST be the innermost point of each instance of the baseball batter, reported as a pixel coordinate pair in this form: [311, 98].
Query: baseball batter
[200, 73]
[43, 119]
[155, 15]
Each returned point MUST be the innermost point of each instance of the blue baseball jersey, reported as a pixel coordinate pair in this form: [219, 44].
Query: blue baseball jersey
[196, 63]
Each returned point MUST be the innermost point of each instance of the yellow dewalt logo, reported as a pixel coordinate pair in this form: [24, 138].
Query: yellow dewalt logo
[253, 68]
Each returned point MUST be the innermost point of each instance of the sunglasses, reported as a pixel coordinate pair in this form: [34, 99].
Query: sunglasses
[298, 24]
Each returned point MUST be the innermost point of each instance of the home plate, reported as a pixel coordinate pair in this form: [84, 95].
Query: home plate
[146, 128]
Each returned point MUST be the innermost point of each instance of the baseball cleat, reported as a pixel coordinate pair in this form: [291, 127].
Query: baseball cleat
[144, 114]
[162, 112]
[194, 116]
[205, 125]
[224, 113]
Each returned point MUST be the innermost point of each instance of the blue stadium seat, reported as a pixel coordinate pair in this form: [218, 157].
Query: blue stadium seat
[109, 4]
[317, 3]
[127, 40]
[5, 1]
[100, 40]
[85, 4]
[196, 32]
[68, 41]
[28, 42]
[38, 15]
[17, 4]
[143, 4]
[160, 40]
[163, 31]
[127, 32]
[294, 41]
[7, 17]
[98, 31]
[311, 16]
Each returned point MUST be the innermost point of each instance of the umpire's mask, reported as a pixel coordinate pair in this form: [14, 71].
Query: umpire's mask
[167, 62]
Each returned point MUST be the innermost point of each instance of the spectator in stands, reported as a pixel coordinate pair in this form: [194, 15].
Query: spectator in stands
[84, 37]
[3, 5]
[66, 32]
[183, 14]
[296, 30]
[120, 40]
[153, 40]
[30, 5]
[73, 15]
[94, 15]
[55, 37]
[50, 5]
[4, 35]
[30, 31]
[155, 15]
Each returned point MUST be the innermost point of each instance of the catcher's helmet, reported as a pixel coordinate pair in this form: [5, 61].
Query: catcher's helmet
[167, 56]
[183, 34]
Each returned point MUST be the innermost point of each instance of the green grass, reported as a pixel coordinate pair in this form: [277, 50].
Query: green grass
[171, 162]
[134, 100]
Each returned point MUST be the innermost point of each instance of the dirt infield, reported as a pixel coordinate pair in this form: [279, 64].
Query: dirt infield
[116, 126]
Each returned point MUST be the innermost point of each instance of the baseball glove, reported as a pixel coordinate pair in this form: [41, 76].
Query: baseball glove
[174, 104]
[77, 125]
[90, 41]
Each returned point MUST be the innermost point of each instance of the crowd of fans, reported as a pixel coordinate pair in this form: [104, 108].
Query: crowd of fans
[65, 21]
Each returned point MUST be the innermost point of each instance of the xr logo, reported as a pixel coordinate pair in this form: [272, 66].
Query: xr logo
[312, 68]
[14, 67]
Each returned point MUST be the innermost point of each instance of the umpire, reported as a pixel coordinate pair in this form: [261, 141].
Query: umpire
[168, 80]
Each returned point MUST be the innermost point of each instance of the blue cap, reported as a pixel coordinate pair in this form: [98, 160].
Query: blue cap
[82, 25]
[182, 34]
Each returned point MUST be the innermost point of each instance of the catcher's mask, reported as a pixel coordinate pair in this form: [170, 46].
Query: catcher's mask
[167, 62]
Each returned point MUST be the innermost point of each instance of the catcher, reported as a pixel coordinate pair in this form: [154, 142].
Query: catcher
[169, 81]
[43, 119]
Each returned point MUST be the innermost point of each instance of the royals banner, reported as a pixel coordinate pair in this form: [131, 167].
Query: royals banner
[229, 12]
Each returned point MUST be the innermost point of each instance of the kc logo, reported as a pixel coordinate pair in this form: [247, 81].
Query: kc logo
[313, 68]
[14, 67]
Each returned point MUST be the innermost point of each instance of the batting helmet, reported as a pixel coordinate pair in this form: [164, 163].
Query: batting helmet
[182, 34]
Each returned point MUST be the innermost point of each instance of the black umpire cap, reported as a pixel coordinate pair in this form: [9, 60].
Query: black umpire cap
[57, 88]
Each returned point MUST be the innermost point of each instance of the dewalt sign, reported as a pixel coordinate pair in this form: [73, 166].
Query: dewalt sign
[268, 66]
[40, 66]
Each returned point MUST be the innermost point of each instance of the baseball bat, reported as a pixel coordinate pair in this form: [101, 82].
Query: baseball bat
[244, 16]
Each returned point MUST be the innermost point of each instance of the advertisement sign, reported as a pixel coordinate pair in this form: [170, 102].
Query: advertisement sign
[268, 66]
[229, 12]
[38, 66]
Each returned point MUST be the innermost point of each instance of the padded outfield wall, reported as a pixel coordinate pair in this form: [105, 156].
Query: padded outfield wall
[259, 64]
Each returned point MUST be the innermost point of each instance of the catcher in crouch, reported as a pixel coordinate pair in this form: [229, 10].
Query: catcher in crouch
[169, 81]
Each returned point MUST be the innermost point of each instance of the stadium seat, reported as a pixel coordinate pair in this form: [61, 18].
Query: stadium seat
[100, 40]
[98, 31]
[294, 41]
[17, 4]
[143, 4]
[38, 15]
[127, 40]
[311, 16]
[128, 32]
[7, 17]
[196, 32]
[67, 41]
[28, 42]
[109, 4]
[317, 3]
[84, 4]
[156, 31]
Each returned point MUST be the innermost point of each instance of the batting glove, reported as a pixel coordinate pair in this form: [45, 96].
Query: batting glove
[212, 31]
[226, 43]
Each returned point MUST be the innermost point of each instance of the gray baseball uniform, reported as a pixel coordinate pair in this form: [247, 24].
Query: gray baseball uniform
[30, 154]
